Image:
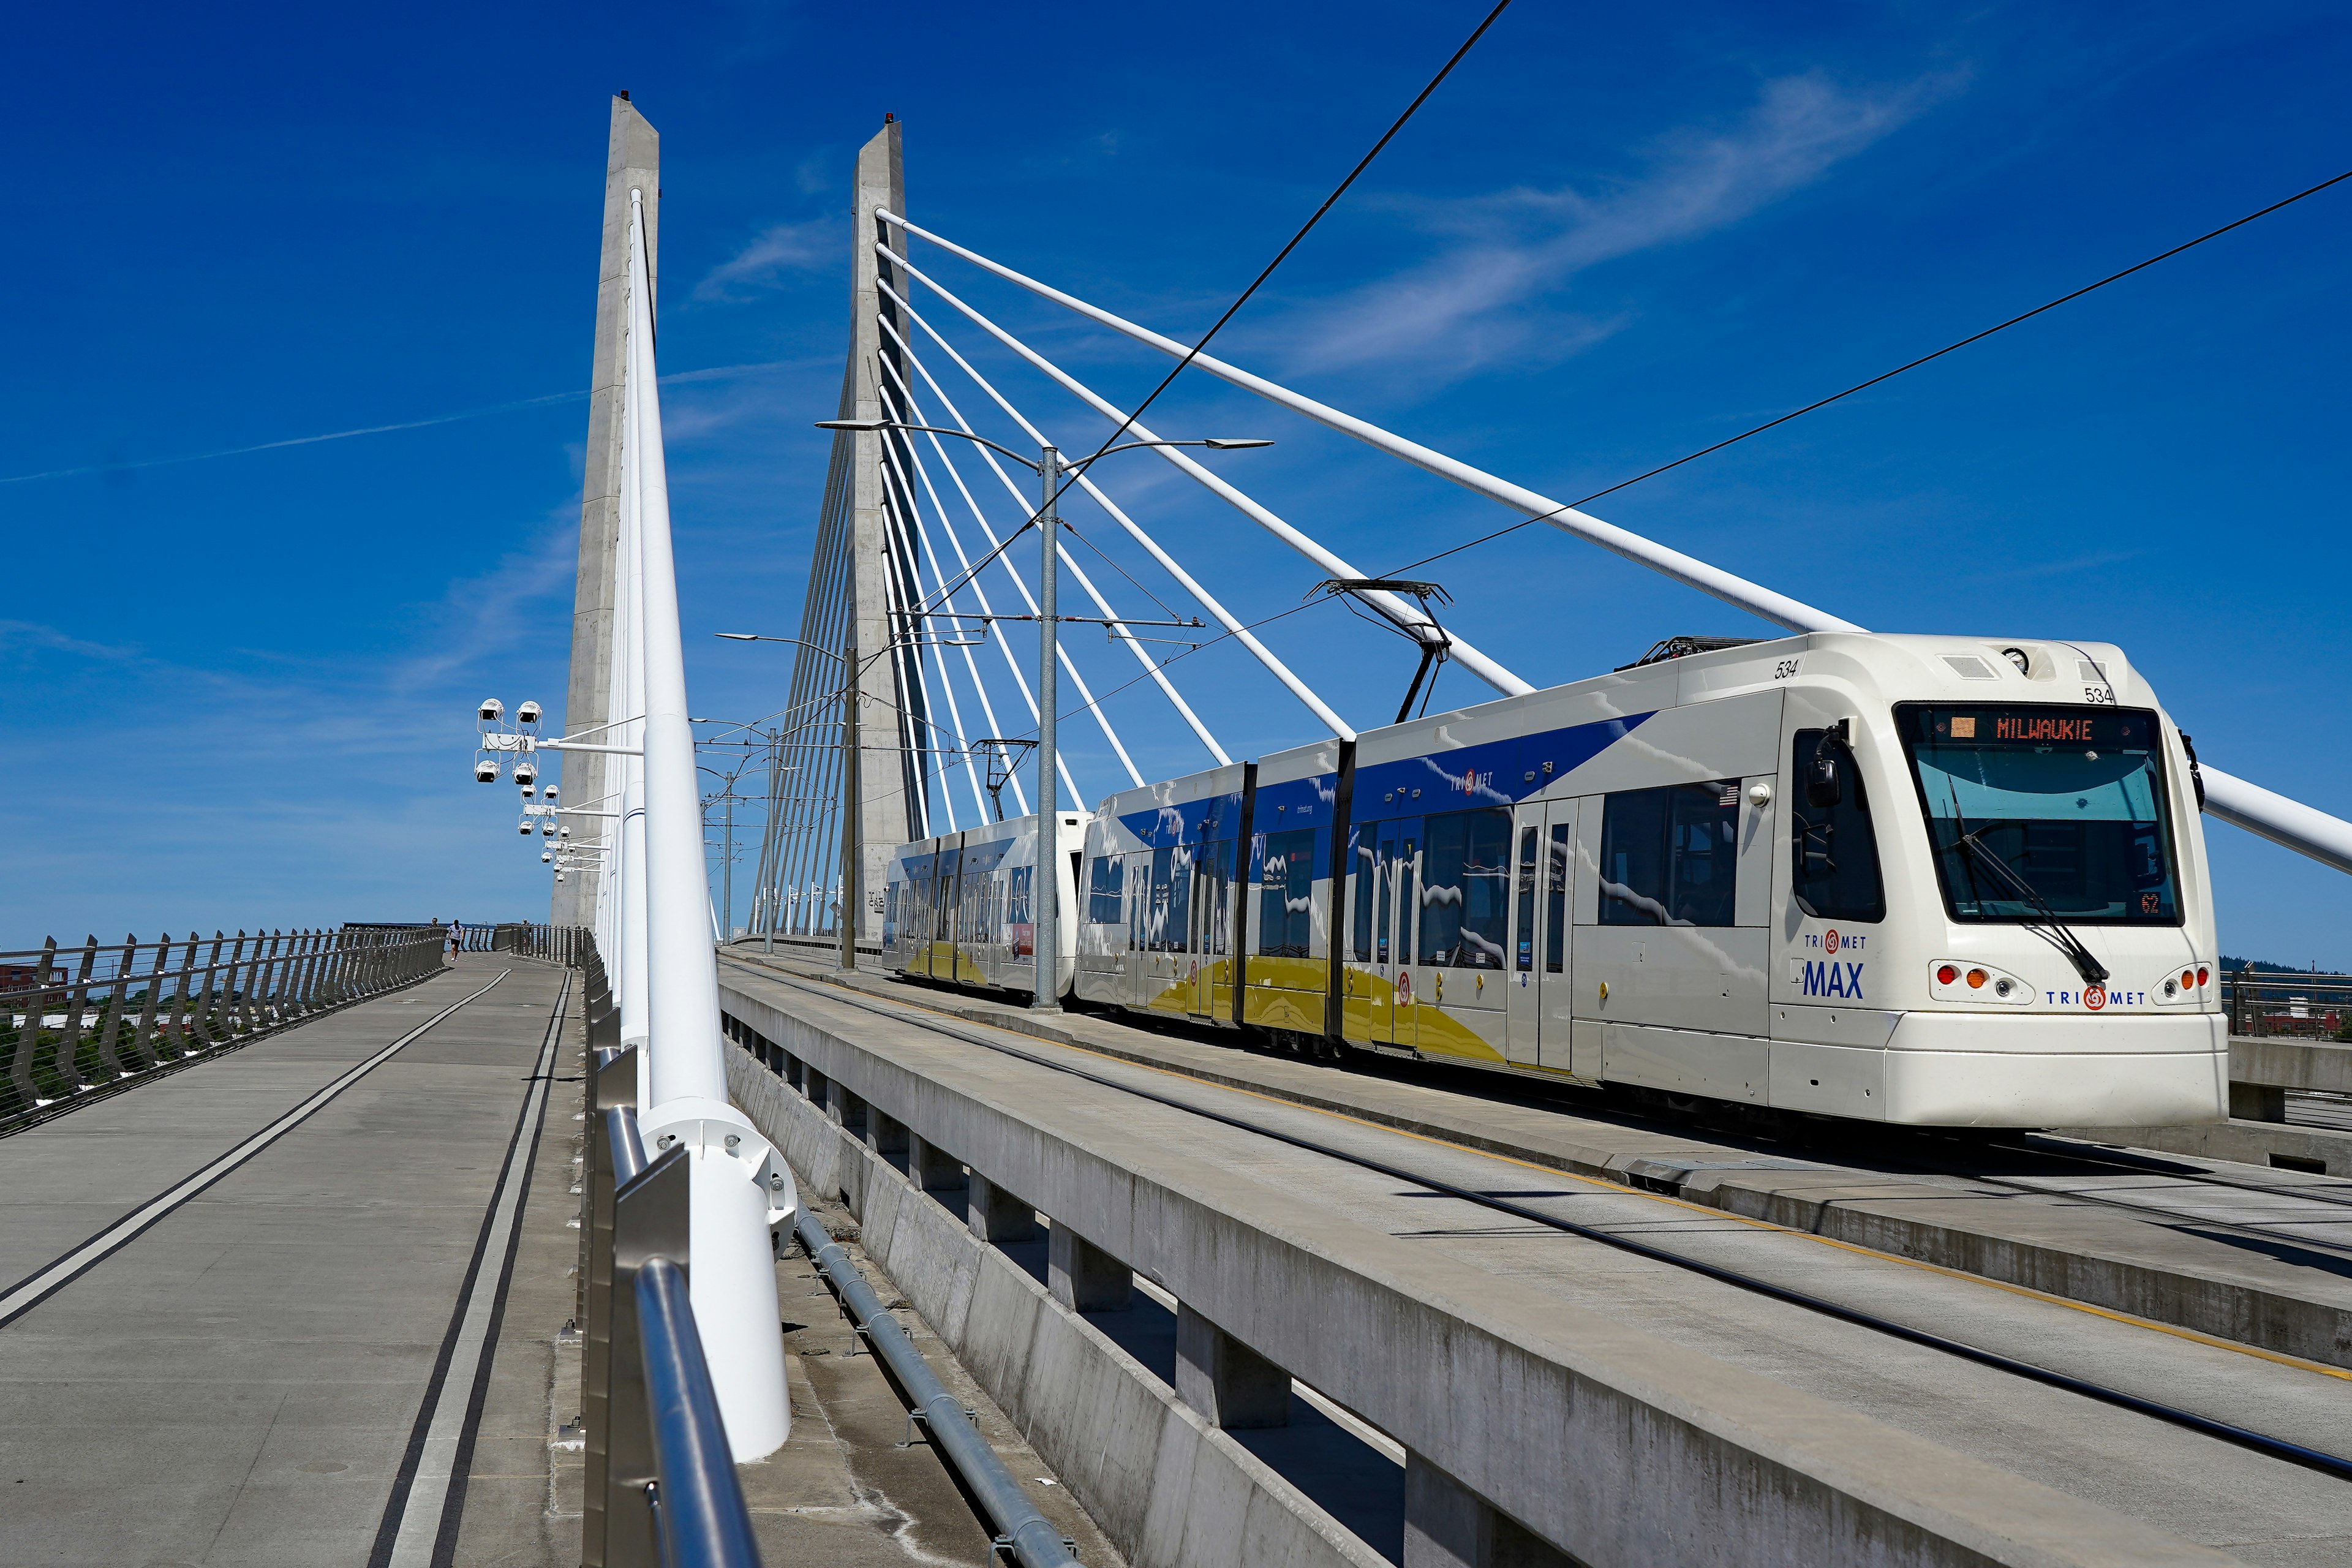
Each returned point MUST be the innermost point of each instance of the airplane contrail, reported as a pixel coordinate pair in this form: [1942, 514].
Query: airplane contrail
[713, 373]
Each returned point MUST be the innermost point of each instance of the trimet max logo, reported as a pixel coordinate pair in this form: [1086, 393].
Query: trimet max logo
[2095, 998]
[1832, 979]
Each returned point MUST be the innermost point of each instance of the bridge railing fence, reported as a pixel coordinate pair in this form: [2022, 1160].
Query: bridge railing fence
[2267, 1002]
[661, 1487]
[77, 1021]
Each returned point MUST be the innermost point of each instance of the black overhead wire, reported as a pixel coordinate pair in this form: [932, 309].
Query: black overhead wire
[1885, 375]
[1281, 255]
[1284, 254]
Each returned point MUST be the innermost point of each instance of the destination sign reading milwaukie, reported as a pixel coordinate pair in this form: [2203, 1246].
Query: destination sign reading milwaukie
[2122, 728]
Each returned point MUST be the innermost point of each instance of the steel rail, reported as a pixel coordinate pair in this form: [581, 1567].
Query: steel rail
[1034, 1541]
[2223, 1431]
[698, 1503]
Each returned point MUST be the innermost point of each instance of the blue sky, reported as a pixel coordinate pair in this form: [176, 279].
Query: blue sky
[239, 689]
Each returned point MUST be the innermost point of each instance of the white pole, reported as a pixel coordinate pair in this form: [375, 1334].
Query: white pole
[732, 1271]
[1044, 881]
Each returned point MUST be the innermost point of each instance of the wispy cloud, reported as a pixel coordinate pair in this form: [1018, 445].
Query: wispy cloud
[16, 636]
[774, 254]
[1485, 299]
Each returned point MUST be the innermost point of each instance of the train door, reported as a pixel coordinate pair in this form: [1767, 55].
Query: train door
[1542, 858]
[1211, 932]
[1523, 1003]
[1396, 907]
[1554, 950]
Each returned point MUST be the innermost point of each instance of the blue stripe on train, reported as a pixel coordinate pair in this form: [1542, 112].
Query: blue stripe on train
[1495, 772]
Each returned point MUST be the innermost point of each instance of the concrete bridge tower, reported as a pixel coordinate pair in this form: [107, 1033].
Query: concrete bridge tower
[632, 159]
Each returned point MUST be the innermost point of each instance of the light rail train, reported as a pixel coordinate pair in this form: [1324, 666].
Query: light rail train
[1918, 879]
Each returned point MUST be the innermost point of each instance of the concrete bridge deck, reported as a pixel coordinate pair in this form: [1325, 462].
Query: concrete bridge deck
[305, 1304]
[1612, 1406]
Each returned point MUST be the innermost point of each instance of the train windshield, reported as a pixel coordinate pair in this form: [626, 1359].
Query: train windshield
[2037, 814]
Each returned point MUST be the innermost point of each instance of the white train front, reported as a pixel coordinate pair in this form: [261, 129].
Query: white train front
[1928, 881]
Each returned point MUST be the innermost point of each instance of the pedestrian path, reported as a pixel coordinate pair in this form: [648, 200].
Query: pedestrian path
[247, 1311]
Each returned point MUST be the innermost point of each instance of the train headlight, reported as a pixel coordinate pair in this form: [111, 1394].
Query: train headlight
[1977, 977]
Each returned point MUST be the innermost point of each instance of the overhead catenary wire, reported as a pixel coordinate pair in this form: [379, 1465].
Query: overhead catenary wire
[1953, 347]
[997, 552]
[1329, 202]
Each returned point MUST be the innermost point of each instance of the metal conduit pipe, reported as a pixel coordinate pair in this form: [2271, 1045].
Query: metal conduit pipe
[1034, 1541]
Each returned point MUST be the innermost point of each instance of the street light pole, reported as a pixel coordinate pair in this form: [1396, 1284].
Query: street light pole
[1045, 887]
[850, 792]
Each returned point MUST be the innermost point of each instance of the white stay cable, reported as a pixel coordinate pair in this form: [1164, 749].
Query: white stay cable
[1410, 618]
[980, 591]
[907, 658]
[1753, 597]
[1117, 628]
[1167, 563]
[1102, 720]
[922, 532]
[1224, 618]
[2279, 818]
[939, 657]
[995, 628]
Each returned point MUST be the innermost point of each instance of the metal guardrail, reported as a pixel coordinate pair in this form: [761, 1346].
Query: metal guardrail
[74, 1023]
[661, 1487]
[1028, 1536]
[2262, 1003]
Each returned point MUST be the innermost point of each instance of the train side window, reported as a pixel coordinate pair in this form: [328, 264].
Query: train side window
[1833, 850]
[1285, 899]
[1465, 887]
[1670, 855]
[1526, 950]
[1556, 902]
[1105, 893]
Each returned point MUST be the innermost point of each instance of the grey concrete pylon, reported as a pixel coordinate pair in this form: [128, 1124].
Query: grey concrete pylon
[889, 688]
[632, 160]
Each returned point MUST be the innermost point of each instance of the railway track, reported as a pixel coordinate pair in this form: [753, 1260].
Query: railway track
[915, 1015]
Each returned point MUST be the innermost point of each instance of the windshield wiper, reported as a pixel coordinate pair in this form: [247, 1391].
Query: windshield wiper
[2050, 929]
